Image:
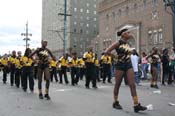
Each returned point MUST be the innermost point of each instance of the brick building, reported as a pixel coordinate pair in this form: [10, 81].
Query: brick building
[152, 25]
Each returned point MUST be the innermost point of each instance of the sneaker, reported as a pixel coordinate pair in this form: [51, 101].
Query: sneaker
[40, 96]
[47, 96]
[155, 86]
[116, 105]
[95, 87]
[138, 108]
[152, 86]
[87, 87]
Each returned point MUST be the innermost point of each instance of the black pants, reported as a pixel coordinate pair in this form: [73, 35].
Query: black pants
[97, 73]
[74, 75]
[12, 74]
[53, 73]
[81, 73]
[27, 75]
[165, 73]
[172, 74]
[35, 72]
[64, 72]
[106, 72]
[18, 77]
[90, 74]
[5, 71]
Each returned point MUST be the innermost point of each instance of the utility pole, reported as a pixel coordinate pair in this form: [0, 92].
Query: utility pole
[26, 34]
[65, 24]
[171, 4]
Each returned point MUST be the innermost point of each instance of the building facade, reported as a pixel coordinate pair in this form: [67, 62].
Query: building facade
[151, 24]
[53, 25]
[81, 25]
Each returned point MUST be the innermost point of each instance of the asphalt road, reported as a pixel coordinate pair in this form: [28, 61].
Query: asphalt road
[67, 100]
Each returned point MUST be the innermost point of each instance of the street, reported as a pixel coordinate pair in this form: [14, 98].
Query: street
[67, 100]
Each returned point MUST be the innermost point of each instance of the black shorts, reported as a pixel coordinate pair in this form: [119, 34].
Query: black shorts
[123, 66]
[43, 66]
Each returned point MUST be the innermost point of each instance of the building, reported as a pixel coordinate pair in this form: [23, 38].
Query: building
[53, 25]
[151, 24]
[82, 24]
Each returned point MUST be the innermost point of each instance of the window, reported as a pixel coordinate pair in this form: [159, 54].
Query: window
[87, 11]
[75, 30]
[87, 39]
[87, 32]
[81, 10]
[155, 41]
[154, 15]
[75, 16]
[107, 17]
[95, 26]
[75, 40]
[127, 10]
[135, 7]
[81, 46]
[144, 4]
[75, 9]
[87, 18]
[81, 31]
[154, 2]
[160, 36]
[119, 12]
[87, 4]
[87, 25]
[113, 14]
[95, 6]
[95, 19]
[150, 37]
[95, 12]
[75, 23]
[81, 17]
[81, 24]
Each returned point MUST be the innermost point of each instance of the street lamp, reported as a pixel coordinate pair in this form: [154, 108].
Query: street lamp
[26, 34]
[171, 4]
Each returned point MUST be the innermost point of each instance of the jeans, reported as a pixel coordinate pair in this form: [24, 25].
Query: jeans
[137, 78]
[144, 69]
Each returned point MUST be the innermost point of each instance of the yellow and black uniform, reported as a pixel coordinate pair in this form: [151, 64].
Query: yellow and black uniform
[64, 63]
[43, 55]
[109, 64]
[104, 62]
[97, 68]
[53, 65]
[74, 71]
[18, 72]
[89, 69]
[27, 73]
[12, 60]
[124, 52]
[81, 66]
[5, 68]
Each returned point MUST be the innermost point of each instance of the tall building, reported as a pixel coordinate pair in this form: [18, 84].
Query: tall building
[82, 24]
[151, 24]
[53, 25]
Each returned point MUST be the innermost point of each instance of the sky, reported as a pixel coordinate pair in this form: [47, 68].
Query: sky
[14, 14]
